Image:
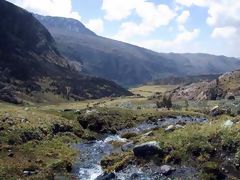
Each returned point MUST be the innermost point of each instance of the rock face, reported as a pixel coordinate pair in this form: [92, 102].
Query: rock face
[225, 86]
[31, 65]
[147, 149]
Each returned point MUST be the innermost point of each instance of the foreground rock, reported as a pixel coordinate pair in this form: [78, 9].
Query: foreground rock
[147, 149]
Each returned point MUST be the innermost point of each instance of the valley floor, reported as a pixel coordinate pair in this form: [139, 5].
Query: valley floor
[36, 141]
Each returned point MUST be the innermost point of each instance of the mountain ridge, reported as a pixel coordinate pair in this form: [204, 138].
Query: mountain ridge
[31, 66]
[131, 65]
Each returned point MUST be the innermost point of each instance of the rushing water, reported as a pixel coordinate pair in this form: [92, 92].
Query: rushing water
[91, 153]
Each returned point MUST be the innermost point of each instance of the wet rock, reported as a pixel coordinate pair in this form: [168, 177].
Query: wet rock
[136, 176]
[127, 146]
[170, 128]
[106, 176]
[166, 170]
[147, 149]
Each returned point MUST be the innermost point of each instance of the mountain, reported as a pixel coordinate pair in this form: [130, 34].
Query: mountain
[124, 63]
[31, 67]
[224, 86]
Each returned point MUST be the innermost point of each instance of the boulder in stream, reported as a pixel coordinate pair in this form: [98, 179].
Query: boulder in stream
[147, 149]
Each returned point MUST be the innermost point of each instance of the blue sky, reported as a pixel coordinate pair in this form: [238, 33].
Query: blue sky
[208, 26]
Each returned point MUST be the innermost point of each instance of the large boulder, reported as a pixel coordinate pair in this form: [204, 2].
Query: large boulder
[147, 149]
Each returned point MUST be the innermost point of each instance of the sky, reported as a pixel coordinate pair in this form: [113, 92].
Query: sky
[181, 26]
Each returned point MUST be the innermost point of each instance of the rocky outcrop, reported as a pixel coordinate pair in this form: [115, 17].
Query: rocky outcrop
[225, 86]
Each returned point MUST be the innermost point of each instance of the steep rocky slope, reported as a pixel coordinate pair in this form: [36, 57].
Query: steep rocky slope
[224, 86]
[124, 63]
[31, 66]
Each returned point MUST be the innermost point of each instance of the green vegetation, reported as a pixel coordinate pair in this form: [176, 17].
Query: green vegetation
[39, 139]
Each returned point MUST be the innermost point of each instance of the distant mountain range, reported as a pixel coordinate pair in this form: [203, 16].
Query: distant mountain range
[31, 67]
[127, 64]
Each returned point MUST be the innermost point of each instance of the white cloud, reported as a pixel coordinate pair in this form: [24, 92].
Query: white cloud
[183, 42]
[224, 32]
[224, 13]
[61, 8]
[95, 25]
[118, 9]
[152, 17]
[189, 3]
[182, 18]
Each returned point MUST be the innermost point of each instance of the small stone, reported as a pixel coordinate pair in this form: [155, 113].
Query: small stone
[178, 126]
[166, 170]
[150, 133]
[29, 173]
[170, 128]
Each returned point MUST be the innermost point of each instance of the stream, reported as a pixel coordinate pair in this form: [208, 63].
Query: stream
[91, 153]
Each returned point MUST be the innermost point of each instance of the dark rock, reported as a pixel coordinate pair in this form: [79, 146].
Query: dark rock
[30, 135]
[68, 110]
[216, 111]
[61, 128]
[29, 173]
[147, 149]
[10, 154]
[231, 97]
[106, 176]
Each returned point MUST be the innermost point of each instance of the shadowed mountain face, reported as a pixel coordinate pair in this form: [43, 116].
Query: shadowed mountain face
[30, 63]
[124, 63]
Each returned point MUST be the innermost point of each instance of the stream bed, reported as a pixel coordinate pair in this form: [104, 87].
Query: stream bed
[91, 153]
